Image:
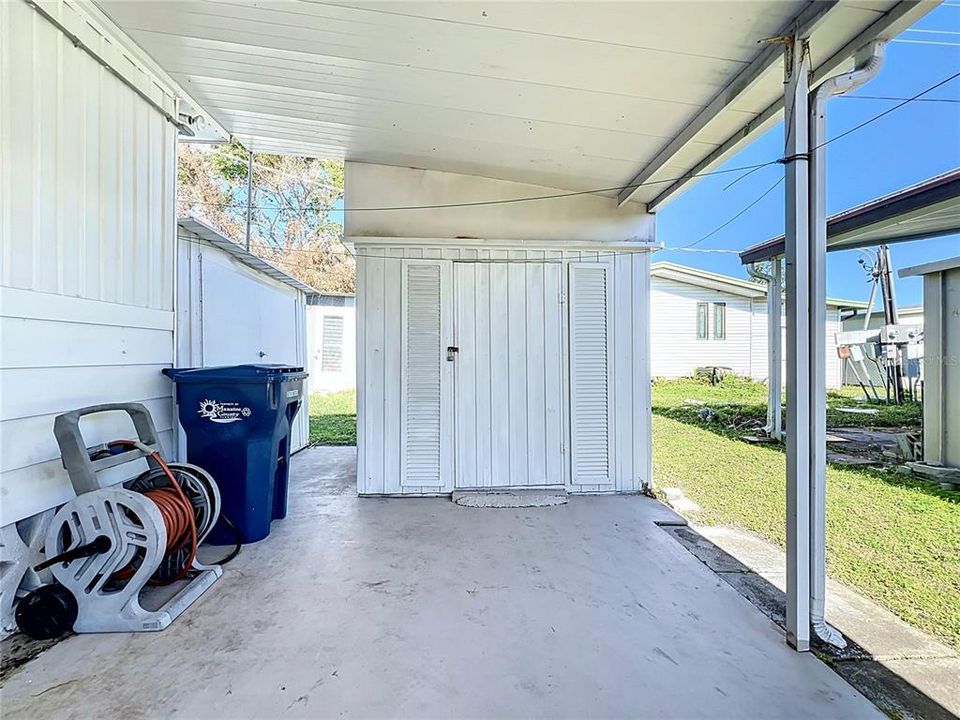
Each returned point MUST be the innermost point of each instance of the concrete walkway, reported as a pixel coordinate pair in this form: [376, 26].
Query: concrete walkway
[902, 669]
[425, 609]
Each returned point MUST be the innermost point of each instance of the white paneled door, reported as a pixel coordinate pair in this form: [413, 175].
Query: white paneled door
[508, 377]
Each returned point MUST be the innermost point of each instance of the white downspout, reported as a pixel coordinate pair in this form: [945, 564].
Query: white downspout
[869, 60]
[774, 280]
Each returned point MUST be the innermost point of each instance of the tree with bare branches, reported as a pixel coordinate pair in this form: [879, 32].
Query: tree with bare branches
[292, 199]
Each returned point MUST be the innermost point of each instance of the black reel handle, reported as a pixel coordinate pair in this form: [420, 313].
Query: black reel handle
[100, 544]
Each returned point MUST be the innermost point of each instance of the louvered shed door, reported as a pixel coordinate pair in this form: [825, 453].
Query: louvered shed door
[425, 410]
[590, 375]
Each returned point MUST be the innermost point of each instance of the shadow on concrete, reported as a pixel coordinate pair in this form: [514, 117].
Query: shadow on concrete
[890, 692]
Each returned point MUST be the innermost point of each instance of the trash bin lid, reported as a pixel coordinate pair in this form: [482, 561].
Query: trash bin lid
[235, 374]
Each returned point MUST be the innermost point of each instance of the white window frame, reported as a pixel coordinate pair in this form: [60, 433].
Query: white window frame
[703, 307]
[720, 328]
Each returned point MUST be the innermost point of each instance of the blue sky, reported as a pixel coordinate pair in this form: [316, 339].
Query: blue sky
[913, 143]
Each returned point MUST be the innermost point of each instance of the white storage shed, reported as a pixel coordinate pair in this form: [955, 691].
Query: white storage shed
[519, 360]
[235, 308]
[941, 385]
[332, 338]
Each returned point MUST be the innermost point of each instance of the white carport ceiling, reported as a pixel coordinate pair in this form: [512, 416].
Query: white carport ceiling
[575, 95]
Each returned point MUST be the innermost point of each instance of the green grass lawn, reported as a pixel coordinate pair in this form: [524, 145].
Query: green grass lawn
[892, 538]
[741, 405]
[333, 418]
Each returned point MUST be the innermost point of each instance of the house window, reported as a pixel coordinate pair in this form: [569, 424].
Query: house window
[331, 359]
[702, 330]
[719, 321]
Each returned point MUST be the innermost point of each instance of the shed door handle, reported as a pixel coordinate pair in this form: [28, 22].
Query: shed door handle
[452, 351]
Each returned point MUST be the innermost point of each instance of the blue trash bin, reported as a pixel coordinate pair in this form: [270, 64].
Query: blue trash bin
[238, 421]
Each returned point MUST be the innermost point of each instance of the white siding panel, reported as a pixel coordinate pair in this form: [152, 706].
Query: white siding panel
[87, 247]
[231, 314]
[90, 172]
[758, 341]
[373, 375]
[678, 353]
[676, 350]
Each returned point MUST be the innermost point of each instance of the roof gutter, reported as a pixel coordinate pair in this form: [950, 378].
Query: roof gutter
[869, 59]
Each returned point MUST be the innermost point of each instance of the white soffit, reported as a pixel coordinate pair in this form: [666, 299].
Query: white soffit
[574, 95]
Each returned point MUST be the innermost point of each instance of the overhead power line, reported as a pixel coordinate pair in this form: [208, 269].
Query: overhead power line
[888, 111]
[734, 218]
[933, 32]
[890, 98]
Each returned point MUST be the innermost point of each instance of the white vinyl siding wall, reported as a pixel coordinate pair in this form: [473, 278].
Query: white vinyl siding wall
[677, 351]
[87, 263]
[231, 314]
[379, 357]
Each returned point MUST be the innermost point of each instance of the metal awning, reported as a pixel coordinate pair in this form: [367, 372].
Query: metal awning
[937, 266]
[221, 241]
[579, 96]
[926, 210]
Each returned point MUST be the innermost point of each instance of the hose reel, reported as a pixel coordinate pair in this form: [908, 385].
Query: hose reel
[108, 544]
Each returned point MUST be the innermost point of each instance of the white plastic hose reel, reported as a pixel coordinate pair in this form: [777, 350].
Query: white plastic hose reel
[107, 585]
[21, 548]
[107, 582]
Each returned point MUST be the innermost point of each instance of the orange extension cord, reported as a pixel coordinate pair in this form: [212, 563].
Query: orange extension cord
[177, 513]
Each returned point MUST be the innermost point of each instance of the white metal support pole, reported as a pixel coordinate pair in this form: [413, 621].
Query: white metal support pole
[775, 349]
[868, 64]
[797, 70]
[249, 196]
[774, 281]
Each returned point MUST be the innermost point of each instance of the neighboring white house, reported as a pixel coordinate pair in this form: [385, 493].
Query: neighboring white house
[907, 316]
[701, 319]
[234, 308]
[332, 342]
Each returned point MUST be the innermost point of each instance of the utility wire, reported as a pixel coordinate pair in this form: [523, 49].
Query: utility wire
[735, 217]
[897, 99]
[933, 32]
[509, 201]
[887, 111]
[925, 42]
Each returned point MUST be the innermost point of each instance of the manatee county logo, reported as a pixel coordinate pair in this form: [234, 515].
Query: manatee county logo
[220, 411]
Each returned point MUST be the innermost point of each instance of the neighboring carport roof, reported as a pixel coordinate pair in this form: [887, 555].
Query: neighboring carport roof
[219, 240]
[931, 267]
[725, 283]
[926, 210]
[579, 96]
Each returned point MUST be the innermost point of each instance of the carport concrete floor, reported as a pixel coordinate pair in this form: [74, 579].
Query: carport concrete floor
[420, 608]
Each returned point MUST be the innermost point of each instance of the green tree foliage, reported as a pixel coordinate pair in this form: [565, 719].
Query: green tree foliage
[292, 199]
